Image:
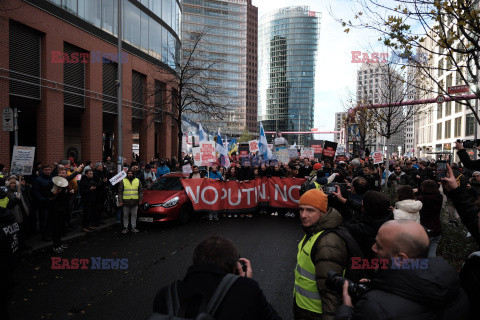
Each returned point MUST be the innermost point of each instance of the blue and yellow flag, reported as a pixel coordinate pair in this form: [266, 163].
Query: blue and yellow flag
[232, 146]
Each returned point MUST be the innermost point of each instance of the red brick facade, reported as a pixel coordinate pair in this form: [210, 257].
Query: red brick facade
[50, 112]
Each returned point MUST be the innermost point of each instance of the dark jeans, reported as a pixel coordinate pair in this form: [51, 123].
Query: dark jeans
[88, 212]
[42, 220]
[57, 219]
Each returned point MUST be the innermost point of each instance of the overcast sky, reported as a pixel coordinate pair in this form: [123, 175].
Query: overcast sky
[335, 74]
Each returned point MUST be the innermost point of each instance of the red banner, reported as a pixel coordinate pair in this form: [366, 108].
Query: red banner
[215, 195]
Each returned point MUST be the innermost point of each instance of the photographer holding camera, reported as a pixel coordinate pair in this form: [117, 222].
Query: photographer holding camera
[215, 261]
[464, 157]
[401, 291]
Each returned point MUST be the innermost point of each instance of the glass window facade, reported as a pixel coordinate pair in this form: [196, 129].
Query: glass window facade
[139, 29]
[224, 41]
[288, 43]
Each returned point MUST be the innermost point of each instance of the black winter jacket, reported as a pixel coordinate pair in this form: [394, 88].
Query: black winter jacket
[416, 294]
[467, 210]
[467, 162]
[245, 300]
[364, 229]
[41, 190]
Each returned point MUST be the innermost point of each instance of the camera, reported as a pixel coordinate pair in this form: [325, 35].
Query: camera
[469, 144]
[335, 283]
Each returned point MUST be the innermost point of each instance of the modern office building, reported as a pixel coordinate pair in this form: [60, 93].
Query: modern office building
[380, 83]
[58, 65]
[229, 39]
[288, 44]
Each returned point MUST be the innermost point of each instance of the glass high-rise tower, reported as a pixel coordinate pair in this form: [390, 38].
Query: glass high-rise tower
[288, 44]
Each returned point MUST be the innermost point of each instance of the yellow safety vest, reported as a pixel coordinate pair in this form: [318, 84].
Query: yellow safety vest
[318, 186]
[130, 190]
[4, 202]
[305, 290]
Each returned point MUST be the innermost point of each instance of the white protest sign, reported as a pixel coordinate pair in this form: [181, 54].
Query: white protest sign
[253, 144]
[207, 153]
[307, 153]
[22, 160]
[293, 153]
[119, 177]
[187, 169]
[197, 159]
[377, 157]
[283, 156]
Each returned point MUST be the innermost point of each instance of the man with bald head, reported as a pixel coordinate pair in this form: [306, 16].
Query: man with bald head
[406, 290]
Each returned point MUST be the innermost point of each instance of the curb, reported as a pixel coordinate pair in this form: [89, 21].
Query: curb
[38, 244]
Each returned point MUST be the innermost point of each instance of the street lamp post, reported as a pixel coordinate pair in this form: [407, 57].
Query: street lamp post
[119, 92]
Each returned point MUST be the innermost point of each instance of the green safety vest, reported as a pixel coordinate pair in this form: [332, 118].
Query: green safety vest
[130, 190]
[4, 202]
[305, 290]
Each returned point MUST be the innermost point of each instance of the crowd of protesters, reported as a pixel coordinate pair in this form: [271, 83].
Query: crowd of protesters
[353, 189]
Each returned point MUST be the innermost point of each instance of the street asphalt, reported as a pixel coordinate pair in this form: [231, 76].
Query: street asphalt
[158, 255]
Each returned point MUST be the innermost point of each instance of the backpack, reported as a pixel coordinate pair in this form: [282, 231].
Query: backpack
[177, 312]
[353, 250]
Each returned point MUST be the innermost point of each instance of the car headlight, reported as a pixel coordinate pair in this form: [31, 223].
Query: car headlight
[171, 203]
[146, 205]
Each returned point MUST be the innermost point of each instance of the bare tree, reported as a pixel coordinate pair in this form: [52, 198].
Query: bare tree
[191, 90]
[447, 30]
[390, 86]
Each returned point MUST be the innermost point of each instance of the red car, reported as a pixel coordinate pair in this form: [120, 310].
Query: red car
[165, 200]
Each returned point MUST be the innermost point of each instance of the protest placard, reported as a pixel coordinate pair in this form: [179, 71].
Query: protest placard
[253, 144]
[196, 156]
[22, 160]
[307, 153]
[377, 157]
[207, 153]
[292, 153]
[282, 156]
[119, 177]
[187, 169]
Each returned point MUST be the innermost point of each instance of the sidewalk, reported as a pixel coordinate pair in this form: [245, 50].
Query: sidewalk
[36, 243]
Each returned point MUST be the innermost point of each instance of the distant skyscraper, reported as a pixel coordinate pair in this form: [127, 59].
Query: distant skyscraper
[231, 38]
[288, 42]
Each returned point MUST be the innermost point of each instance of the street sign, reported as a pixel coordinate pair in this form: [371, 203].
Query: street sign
[7, 119]
[458, 89]
[440, 99]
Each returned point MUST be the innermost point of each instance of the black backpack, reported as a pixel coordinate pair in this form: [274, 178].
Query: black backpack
[177, 312]
[353, 250]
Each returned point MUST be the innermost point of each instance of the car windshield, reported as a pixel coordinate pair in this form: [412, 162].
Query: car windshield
[167, 184]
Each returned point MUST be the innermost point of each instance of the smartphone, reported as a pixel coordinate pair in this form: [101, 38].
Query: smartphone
[329, 190]
[441, 170]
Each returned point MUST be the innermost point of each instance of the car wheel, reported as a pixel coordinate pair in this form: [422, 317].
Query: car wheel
[184, 215]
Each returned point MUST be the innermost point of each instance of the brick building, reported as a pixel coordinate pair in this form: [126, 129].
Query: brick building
[58, 68]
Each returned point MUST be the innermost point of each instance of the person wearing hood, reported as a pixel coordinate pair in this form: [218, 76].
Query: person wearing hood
[475, 183]
[429, 290]
[398, 177]
[407, 208]
[316, 256]
[130, 194]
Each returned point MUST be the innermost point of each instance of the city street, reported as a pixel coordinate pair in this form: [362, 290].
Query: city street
[156, 256]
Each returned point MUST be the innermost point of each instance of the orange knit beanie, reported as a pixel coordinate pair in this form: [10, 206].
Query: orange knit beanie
[315, 198]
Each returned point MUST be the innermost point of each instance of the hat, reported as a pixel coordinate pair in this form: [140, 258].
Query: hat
[317, 166]
[476, 172]
[375, 204]
[315, 198]
[98, 164]
[322, 180]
